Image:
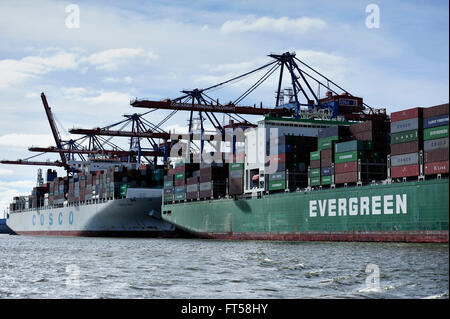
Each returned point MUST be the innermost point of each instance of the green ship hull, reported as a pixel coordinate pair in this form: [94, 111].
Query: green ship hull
[402, 212]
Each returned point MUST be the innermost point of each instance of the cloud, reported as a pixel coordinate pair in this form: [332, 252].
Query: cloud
[126, 79]
[16, 71]
[108, 97]
[25, 140]
[95, 96]
[111, 59]
[268, 24]
[6, 171]
[20, 184]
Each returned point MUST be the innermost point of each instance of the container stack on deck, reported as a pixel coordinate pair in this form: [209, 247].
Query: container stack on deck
[179, 180]
[321, 161]
[288, 162]
[236, 178]
[347, 158]
[406, 142]
[168, 189]
[105, 184]
[436, 140]
[212, 180]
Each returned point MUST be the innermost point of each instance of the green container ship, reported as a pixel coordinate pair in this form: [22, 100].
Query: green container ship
[414, 208]
[403, 212]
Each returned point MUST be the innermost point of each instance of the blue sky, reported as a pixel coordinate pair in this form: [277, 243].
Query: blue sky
[157, 48]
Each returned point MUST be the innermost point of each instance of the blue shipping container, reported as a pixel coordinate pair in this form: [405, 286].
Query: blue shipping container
[326, 171]
[435, 121]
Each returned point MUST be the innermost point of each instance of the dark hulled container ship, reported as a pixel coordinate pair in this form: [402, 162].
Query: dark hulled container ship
[359, 182]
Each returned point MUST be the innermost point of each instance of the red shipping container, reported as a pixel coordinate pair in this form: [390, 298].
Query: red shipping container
[236, 186]
[326, 154]
[192, 195]
[326, 161]
[405, 171]
[349, 177]
[435, 111]
[407, 114]
[278, 158]
[179, 182]
[436, 168]
[192, 180]
[315, 164]
[205, 178]
[405, 148]
[340, 168]
[438, 155]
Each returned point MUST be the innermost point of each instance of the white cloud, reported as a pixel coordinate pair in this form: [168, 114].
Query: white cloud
[31, 95]
[268, 24]
[20, 184]
[25, 140]
[108, 97]
[73, 91]
[111, 59]
[6, 171]
[96, 96]
[126, 79]
[16, 71]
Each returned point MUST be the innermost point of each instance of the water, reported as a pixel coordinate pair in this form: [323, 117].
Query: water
[59, 267]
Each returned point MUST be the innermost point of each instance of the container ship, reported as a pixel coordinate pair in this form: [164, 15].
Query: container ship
[105, 198]
[325, 180]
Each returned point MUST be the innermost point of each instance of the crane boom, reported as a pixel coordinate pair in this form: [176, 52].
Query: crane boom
[99, 131]
[53, 127]
[109, 152]
[229, 108]
[24, 162]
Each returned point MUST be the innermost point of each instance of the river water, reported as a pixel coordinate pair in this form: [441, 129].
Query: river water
[75, 267]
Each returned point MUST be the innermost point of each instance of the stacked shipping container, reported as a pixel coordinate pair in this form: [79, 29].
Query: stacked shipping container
[347, 155]
[291, 155]
[436, 140]
[235, 178]
[321, 161]
[406, 142]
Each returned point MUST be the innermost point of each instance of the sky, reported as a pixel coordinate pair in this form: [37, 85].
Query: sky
[90, 68]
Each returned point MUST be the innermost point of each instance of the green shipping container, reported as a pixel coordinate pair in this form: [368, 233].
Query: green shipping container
[280, 176]
[349, 146]
[168, 198]
[179, 176]
[348, 156]
[235, 166]
[313, 156]
[326, 180]
[277, 185]
[326, 142]
[404, 137]
[435, 132]
[315, 181]
[180, 196]
[123, 189]
[315, 172]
